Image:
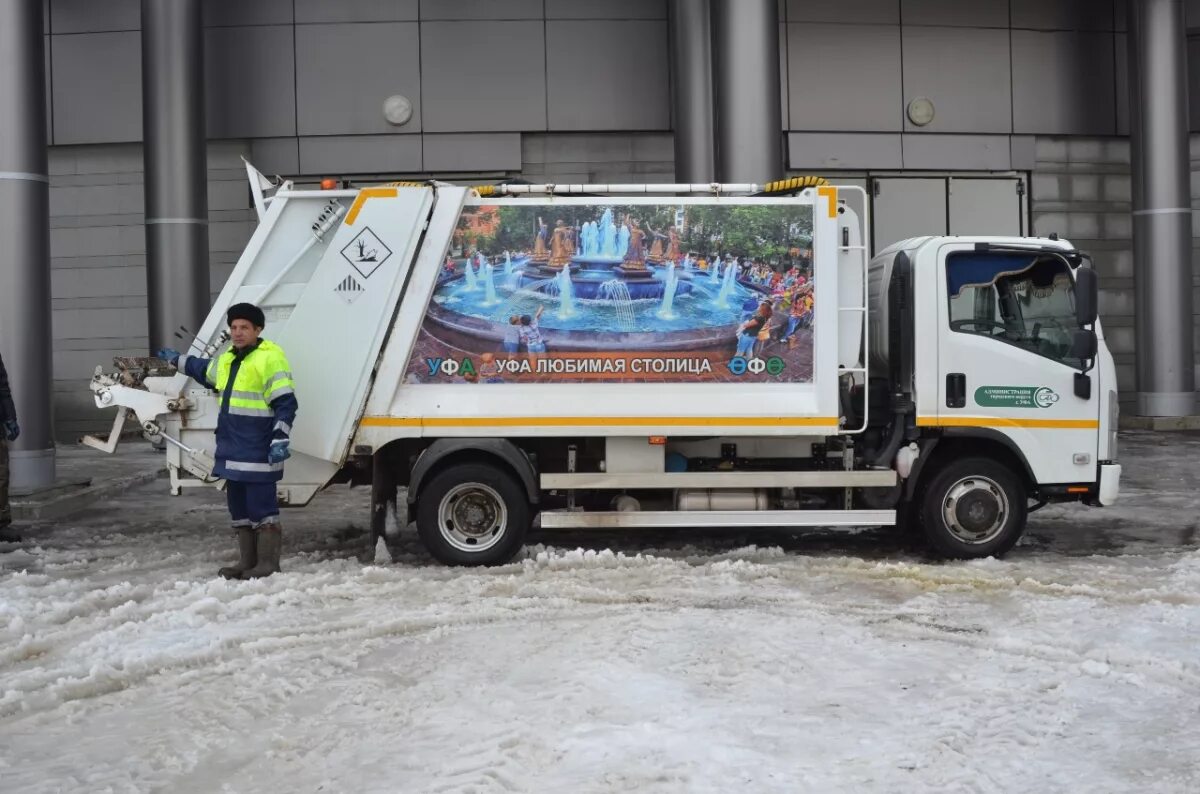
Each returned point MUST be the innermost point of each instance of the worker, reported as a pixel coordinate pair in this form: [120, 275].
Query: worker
[254, 428]
[9, 430]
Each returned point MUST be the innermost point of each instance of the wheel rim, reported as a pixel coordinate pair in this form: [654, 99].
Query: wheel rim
[975, 510]
[472, 517]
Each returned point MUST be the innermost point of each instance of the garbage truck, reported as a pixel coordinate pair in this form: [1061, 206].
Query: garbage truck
[496, 358]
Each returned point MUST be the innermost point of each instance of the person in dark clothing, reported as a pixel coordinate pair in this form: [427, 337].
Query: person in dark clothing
[9, 430]
[254, 430]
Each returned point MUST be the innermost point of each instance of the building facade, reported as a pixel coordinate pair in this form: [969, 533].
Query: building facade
[989, 116]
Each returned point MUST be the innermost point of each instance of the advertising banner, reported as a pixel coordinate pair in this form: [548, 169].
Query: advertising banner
[555, 292]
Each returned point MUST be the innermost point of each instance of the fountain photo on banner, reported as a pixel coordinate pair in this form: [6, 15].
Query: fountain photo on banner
[562, 292]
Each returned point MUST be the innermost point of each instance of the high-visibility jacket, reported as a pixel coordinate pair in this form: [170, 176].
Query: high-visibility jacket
[258, 405]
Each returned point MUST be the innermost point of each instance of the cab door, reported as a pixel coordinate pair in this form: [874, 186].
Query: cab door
[1005, 323]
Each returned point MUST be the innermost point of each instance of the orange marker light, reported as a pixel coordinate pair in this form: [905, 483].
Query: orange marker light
[1077, 489]
[658, 441]
[328, 184]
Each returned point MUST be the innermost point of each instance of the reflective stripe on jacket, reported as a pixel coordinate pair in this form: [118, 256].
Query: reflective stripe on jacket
[258, 405]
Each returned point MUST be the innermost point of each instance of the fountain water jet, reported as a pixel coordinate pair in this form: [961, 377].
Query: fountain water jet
[617, 293]
[728, 283]
[561, 285]
[671, 281]
[489, 285]
[469, 273]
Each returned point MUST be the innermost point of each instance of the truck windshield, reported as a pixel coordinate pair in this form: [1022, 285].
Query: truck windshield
[1026, 300]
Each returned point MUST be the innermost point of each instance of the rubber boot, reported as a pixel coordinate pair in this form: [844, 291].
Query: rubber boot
[247, 554]
[270, 541]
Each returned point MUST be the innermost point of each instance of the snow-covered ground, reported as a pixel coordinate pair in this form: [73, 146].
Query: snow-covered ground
[749, 662]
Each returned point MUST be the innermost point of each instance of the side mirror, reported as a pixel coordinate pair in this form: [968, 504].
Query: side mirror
[1087, 297]
[1083, 344]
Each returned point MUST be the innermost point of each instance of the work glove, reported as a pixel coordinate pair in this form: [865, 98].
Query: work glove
[169, 355]
[279, 451]
[11, 429]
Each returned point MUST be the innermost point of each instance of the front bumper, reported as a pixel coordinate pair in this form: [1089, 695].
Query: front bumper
[1110, 483]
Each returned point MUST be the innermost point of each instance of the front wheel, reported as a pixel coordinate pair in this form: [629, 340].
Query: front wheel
[472, 514]
[973, 507]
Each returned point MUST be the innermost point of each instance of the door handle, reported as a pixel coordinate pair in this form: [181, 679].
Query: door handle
[956, 390]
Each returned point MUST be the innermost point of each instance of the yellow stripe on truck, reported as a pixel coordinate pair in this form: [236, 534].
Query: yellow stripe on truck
[831, 194]
[600, 421]
[363, 195]
[1001, 421]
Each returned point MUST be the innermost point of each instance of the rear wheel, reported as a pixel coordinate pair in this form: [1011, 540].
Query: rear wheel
[973, 507]
[472, 514]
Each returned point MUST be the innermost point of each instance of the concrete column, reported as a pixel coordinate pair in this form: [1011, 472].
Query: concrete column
[746, 73]
[176, 167]
[692, 91]
[25, 338]
[1161, 208]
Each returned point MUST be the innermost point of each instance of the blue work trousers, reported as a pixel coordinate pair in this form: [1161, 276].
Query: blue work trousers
[251, 504]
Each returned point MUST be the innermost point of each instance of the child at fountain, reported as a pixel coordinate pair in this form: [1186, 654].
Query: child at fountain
[769, 328]
[531, 335]
[489, 372]
[512, 335]
[795, 315]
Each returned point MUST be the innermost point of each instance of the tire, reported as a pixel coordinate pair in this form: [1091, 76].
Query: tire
[472, 514]
[972, 508]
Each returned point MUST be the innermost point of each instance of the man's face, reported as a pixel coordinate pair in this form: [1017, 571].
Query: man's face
[244, 333]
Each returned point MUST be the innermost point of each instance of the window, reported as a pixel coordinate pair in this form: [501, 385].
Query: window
[1026, 300]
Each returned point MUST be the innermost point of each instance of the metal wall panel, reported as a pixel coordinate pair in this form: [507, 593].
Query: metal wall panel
[1023, 151]
[347, 71]
[460, 152]
[604, 75]
[49, 80]
[957, 152]
[844, 77]
[323, 11]
[1064, 14]
[973, 13]
[905, 208]
[950, 66]
[783, 70]
[247, 12]
[985, 206]
[360, 154]
[463, 92]
[89, 16]
[97, 87]
[812, 151]
[1191, 10]
[1063, 83]
[250, 81]
[275, 155]
[481, 9]
[881, 12]
[1193, 65]
[1121, 81]
[606, 9]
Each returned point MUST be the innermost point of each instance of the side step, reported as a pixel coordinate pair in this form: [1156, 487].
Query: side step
[877, 478]
[666, 519]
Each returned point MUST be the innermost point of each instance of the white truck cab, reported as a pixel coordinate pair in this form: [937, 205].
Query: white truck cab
[999, 341]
